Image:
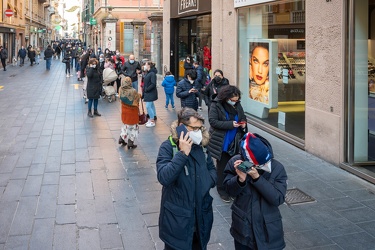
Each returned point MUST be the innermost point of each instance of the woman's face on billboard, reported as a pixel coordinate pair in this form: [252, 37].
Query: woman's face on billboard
[260, 65]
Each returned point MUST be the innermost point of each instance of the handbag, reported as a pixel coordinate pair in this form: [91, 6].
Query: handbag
[142, 116]
[234, 146]
[64, 60]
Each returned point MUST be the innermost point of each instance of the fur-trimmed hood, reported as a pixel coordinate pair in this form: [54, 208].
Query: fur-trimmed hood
[205, 134]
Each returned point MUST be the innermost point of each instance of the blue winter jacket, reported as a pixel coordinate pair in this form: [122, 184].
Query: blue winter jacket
[256, 219]
[186, 198]
[187, 99]
[168, 83]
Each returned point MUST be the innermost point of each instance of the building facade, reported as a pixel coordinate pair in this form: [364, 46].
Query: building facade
[305, 68]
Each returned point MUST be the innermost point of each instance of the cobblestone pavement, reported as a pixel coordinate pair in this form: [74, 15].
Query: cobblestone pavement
[65, 183]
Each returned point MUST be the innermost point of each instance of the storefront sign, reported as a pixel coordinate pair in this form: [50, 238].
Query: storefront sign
[242, 3]
[187, 6]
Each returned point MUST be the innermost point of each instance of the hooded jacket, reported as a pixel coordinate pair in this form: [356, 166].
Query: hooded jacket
[186, 202]
[219, 125]
[168, 83]
[256, 218]
[94, 83]
[187, 99]
[150, 92]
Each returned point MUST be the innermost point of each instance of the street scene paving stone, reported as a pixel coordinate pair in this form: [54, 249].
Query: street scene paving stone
[65, 183]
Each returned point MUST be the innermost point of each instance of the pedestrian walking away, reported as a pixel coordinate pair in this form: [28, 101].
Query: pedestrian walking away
[186, 90]
[3, 56]
[94, 86]
[67, 60]
[48, 53]
[32, 55]
[258, 182]
[187, 174]
[129, 113]
[150, 92]
[228, 125]
[169, 83]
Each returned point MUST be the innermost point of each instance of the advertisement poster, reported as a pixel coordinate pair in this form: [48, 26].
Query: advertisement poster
[262, 72]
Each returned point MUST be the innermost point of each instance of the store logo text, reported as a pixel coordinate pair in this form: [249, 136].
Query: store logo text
[187, 6]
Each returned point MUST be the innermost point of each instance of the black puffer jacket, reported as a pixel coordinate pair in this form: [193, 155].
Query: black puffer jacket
[150, 92]
[94, 83]
[48, 53]
[187, 99]
[219, 126]
[255, 214]
[213, 88]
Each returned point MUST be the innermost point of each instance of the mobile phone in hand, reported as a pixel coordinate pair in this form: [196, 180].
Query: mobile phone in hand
[241, 122]
[180, 129]
[245, 166]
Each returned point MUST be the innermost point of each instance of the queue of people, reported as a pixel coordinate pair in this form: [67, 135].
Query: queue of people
[194, 158]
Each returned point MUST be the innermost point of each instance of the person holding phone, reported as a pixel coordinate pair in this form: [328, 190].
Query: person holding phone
[228, 124]
[187, 91]
[258, 183]
[187, 174]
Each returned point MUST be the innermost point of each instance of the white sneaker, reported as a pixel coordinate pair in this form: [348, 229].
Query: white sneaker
[71, 75]
[67, 75]
[150, 124]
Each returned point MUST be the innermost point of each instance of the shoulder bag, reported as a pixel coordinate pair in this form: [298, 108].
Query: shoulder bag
[142, 116]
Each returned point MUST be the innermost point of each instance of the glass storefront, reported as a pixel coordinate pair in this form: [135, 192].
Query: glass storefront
[361, 86]
[194, 39]
[272, 68]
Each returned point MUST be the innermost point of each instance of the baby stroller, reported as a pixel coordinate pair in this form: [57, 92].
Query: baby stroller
[109, 91]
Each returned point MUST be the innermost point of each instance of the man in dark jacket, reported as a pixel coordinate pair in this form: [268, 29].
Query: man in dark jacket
[187, 174]
[48, 53]
[3, 56]
[187, 91]
[132, 68]
[22, 54]
[259, 184]
[200, 82]
[213, 88]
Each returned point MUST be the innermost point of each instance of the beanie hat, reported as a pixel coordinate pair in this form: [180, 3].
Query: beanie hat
[254, 150]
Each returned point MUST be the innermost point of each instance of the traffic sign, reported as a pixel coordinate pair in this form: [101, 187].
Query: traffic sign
[9, 12]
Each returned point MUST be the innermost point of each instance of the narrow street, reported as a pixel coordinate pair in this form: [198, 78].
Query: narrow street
[65, 183]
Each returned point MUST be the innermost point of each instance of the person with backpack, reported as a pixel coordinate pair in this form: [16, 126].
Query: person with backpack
[169, 83]
[3, 56]
[259, 183]
[187, 174]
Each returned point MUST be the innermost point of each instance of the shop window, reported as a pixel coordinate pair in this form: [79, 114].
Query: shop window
[128, 38]
[273, 87]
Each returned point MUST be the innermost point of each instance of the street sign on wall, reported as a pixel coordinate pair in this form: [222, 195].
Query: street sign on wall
[9, 12]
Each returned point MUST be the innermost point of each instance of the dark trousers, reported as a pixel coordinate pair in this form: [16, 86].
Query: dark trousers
[67, 68]
[22, 60]
[196, 245]
[220, 166]
[3, 62]
[239, 246]
[91, 101]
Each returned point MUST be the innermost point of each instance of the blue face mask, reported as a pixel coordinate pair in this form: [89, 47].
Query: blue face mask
[131, 61]
[231, 102]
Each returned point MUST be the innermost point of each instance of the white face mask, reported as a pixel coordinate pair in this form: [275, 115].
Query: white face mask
[231, 102]
[191, 81]
[94, 66]
[196, 136]
[145, 68]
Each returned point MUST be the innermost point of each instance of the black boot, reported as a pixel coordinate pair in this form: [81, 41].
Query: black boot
[131, 144]
[90, 114]
[121, 141]
[97, 113]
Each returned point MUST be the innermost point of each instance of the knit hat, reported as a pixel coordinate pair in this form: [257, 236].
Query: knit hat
[254, 150]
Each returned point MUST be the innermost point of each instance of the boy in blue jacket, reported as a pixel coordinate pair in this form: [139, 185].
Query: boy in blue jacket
[168, 83]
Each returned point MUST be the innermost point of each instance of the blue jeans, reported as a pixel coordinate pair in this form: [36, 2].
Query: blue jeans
[95, 104]
[135, 85]
[151, 109]
[169, 98]
[48, 63]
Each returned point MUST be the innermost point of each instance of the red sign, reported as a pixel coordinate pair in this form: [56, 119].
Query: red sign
[9, 13]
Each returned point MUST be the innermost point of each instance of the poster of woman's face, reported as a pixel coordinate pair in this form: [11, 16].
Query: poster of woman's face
[259, 67]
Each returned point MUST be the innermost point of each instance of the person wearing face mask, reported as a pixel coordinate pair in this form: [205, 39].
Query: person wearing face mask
[228, 124]
[118, 55]
[150, 92]
[213, 88]
[187, 174]
[94, 86]
[187, 91]
[132, 68]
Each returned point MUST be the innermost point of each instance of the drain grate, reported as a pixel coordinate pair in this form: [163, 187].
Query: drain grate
[296, 196]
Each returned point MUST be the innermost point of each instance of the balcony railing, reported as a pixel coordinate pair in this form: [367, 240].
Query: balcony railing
[297, 16]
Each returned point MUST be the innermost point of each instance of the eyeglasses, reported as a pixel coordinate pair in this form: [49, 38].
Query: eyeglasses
[195, 129]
